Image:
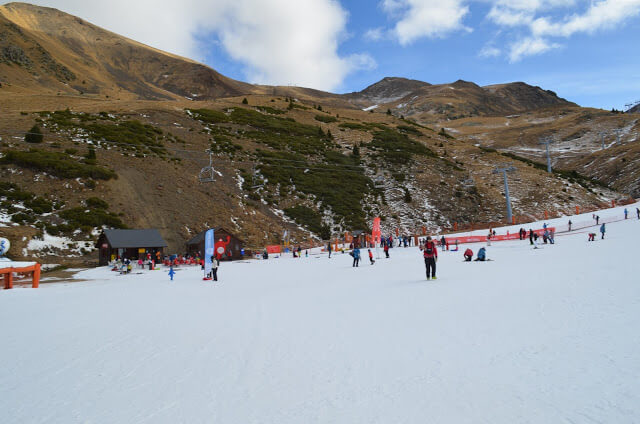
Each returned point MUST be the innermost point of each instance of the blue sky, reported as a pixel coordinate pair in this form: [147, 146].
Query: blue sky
[599, 69]
[585, 50]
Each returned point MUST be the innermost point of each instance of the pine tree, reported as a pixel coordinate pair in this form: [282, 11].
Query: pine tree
[388, 111]
[356, 151]
[245, 101]
[34, 135]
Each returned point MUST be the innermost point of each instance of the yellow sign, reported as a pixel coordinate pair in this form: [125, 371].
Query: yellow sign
[141, 250]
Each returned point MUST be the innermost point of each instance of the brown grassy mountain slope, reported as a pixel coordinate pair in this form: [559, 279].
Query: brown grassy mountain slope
[597, 143]
[430, 103]
[46, 50]
[122, 146]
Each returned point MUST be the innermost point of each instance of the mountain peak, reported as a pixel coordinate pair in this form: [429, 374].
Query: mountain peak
[388, 89]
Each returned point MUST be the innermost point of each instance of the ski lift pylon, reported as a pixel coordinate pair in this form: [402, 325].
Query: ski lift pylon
[207, 173]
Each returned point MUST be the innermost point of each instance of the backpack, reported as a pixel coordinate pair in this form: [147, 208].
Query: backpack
[428, 249]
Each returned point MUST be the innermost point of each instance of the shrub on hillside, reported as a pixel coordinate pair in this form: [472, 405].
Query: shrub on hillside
[327, 119]
[57, 164]
[34, 135]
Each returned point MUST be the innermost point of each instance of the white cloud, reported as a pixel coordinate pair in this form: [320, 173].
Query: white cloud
[604, 14]
[278, 42]
[490, 51]
[529, 47]
[374, 34]
[425, 18]
[601, 14]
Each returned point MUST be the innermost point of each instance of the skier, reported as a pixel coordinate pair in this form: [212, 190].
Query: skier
[569, 225]
[386, 249]
[430, 254]
[371, 257]
[597, 219]
[468, 255]
[215, 263]
[602, 230]
[638, 212]
[592, 236]
[482, 255]
[443, 242]
[626, 212]
[329, 249]
[171, 273]
[530, 236]
[356, 256]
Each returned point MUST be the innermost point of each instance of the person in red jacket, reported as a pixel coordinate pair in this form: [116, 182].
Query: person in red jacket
[371, 257]
[468, 255]
[430, 254]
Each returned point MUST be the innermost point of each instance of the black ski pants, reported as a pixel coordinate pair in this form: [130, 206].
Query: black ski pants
[430, 263]
[356, 261]
[214, 271]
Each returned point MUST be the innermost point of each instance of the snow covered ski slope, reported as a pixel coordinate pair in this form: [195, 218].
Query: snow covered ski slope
[550, 335]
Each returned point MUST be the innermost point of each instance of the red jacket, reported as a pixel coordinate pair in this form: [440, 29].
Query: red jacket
[468, 252]
[434, 251]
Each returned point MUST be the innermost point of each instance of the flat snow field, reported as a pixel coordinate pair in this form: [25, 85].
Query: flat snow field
[550, 335]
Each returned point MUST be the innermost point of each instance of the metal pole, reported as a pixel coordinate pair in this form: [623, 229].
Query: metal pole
[548, 158]
[546, 142]
[506, 193]
[602, 134]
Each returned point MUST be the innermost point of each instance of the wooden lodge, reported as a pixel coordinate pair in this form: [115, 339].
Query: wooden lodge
[232, 244]
[130, 244]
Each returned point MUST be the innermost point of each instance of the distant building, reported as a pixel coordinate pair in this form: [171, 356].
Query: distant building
[131, 244]
[233, 244]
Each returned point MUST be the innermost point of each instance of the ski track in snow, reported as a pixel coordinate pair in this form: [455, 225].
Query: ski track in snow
[535, 336]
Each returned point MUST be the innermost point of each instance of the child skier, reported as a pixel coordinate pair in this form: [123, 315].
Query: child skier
[482, 255]
[386, 249]
[602, 230]
[215, 263]
[468, 255]
[430, 255]
[171, 273]
[371, 257]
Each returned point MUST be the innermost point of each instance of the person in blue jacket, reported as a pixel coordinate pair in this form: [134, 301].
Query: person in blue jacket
[602, 230]
[626, 213]
[482, 255]
[171, 273]
[356, 256]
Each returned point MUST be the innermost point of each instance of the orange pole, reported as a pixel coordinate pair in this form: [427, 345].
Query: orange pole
[577, 210]
[455, 226]
[9, 280]
[546, 215]
[613, 203]
[36, 277]
[513, 220]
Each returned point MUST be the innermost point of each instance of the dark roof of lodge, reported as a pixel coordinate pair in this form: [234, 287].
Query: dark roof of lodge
[200, 236]
[134, 238]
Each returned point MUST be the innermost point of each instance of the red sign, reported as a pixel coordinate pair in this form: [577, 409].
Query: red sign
[273, 249]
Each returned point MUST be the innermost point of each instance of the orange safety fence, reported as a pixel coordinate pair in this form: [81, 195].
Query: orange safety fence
[7, 274]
